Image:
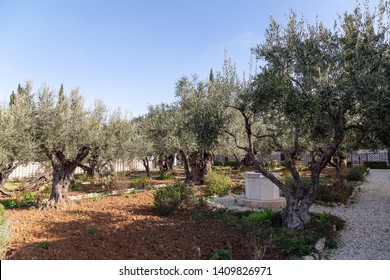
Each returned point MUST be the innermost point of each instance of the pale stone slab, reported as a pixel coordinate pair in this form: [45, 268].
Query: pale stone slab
[258, 187]
[260, 192]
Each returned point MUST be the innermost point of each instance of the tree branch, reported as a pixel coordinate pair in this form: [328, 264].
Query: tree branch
[235, 140]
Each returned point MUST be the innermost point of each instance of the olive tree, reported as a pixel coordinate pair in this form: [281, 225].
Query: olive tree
[119, 135]
[243, 126]
[203, 120]
[317, 86]
[161, 127]
[16, 140]
[143, 144]
[63, 134]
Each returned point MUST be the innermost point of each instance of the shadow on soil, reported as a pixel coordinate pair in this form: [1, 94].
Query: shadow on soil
[137, 234]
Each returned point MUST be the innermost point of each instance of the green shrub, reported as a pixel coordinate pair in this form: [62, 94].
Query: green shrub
[356, 173]
[301, 167]
[218, 254]
[5, 232]
[75, 185]
[172, 197]
[11, 203]
[89, 231]
[43, 245]
[293, 242]
[261, 217]
[216, 168]
[141, 182]
[232, 164]
[376, 164]
[290, 183]
[217, 184]
[329, 197]
[28, 196]
[165, 176]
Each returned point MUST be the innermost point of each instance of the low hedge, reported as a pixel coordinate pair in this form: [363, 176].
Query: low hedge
[172, 197]
[356, 173]
[376, 164]
[226, 163]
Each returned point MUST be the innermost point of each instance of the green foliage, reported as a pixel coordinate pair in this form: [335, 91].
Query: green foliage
[218, 254]
[325, 223]
[172, 197]
[301, 167]
[356, 173]
[5, 232]
[226, 164]
[301, 242]
[216, 168]
[43, 245]
[376, 164]
[89, 231]
[165, 176]
[75, 185]
[327, 194]
[271, 165]
[28, 199]
[16, 120]
[10, 203]
[140, 182]
[290, 183]
[264, 217]
[106, 180]
[217, 184]
[12, 185]
[293, 242]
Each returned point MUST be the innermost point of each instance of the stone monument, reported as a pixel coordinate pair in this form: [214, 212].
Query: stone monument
[260, 192]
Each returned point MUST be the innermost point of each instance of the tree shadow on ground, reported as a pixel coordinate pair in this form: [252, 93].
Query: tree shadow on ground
[137, 233]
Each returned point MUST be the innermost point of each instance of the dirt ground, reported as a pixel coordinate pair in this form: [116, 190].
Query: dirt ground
[118, 227]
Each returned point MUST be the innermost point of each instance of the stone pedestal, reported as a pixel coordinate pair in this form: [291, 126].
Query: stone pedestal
[260, 192]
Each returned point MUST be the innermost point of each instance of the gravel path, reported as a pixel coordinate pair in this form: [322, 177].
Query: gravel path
[367, 232]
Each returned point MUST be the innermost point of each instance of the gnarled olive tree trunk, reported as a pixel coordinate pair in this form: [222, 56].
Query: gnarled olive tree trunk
[300, 197]
[186, 167]
[200, 162]
[38, 181]
[5, 171]
[145, 161]
[63, 173]
[337, 163]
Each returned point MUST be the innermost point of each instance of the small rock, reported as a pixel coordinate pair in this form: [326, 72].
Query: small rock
[308, 258]
[320, 245]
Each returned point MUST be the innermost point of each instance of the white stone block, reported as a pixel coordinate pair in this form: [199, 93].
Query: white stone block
[258, 187]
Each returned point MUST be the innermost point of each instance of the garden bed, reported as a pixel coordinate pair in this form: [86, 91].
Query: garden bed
[118, 227]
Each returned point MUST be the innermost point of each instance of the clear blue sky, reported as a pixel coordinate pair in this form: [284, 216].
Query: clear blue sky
[131, 53]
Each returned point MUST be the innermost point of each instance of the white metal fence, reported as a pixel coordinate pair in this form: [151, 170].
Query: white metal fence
[33, 169]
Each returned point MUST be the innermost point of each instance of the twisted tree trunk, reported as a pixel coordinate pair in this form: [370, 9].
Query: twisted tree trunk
[38, 181]
[5, 172]
[145, 161]
[63, 173]
[186, 167]
[200, 162]
[336, 163]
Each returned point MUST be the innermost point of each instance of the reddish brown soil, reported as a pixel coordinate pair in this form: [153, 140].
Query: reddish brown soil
[127, 227]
